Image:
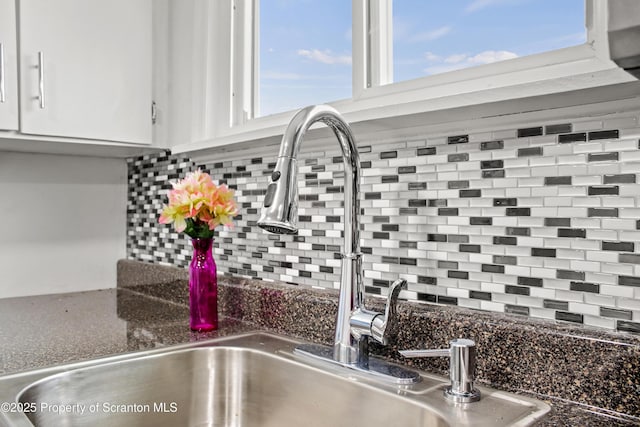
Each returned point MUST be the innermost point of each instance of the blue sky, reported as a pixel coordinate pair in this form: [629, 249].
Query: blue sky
[305, 45]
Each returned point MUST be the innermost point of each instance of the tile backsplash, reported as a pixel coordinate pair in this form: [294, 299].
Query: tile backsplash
[541, 220]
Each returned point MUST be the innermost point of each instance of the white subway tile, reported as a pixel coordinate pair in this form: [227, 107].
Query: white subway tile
[543, 272]
[418, 143]
[572, 170]
[507, 221]
[521, 162]
[608, 279]
[559, 150]
[572, 212]
[621, 145]
[504, 134]
[628, 303]
[603, 168]
[556, 284]
[456, 292]
[571, 296]
[558, 201]
[630, 189]
[529, 301]
[597, 299]
[619, 202]
[618, 224]
[504, 298]
[572, 159]
[550, 191]
[617, 291]
[572, 191]
[545, 212]
[602, 234]
[503, 154]
[629, 235]
[506, 183]
[586, 266]
[492, 306]
[558, 264]
[544, 293]
[587, 125]
[542, 313]
[530, 241]
[480, 137]
[630, 212]
[587, 180]
[492, 287]
[589, 147]
[623, 269]
[586, 222]
[470, 303]
[544, 171]
[542, 161]
[600, 322]
[602, 256]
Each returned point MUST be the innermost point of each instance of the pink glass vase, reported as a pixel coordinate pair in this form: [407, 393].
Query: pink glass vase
[203, 287]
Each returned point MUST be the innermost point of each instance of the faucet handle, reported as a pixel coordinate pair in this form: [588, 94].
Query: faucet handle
[385, 328]
[378, 326]
[392, 298]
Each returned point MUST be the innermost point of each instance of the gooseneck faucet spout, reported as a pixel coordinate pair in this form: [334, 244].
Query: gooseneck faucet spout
[280, 213]
[354, 323]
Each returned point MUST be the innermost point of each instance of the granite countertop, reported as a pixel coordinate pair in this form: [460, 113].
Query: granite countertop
[46, 330]
[149, 310]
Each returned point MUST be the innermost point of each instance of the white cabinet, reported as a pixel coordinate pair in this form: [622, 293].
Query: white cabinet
[85, 68]
[8, 67]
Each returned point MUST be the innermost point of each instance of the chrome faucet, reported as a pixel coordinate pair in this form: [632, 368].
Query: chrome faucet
[354, 323]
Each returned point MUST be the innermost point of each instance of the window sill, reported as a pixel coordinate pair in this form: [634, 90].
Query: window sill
[584, 81]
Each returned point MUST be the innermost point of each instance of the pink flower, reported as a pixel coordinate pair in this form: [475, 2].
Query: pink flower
[196, 201]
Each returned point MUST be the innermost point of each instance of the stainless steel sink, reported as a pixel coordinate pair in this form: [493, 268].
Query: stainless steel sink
[247, 380]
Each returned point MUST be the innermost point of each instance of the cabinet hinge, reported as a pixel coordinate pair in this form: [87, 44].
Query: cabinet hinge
[154, 112]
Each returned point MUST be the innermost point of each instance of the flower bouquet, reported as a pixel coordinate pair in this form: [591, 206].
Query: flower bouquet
[197, 206]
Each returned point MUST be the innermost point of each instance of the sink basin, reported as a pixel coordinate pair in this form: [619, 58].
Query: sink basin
[248, 380]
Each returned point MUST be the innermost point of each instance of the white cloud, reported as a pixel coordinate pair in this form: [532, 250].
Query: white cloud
[456, 58]
[489, 56]
[432, 57]
[458, 61]
[325, 56]
[430, 35]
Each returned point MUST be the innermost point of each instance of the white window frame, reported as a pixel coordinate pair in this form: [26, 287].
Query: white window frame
[550, 73]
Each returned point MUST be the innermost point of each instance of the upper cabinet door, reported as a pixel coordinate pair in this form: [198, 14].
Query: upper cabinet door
[86, 69]
[8, 67]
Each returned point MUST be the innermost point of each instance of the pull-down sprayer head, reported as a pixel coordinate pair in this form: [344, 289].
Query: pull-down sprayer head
[280, 211]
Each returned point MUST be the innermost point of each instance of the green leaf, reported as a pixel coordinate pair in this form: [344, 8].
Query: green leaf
[198, 229]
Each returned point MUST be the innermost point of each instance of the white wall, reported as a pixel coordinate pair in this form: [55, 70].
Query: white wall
[62, 223]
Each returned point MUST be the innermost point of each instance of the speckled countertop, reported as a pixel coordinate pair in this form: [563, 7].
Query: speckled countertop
[47, 330]
[559, 363]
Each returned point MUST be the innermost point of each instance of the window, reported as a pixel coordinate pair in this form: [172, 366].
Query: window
[388, 59]
[304, 54]
[434, 37]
